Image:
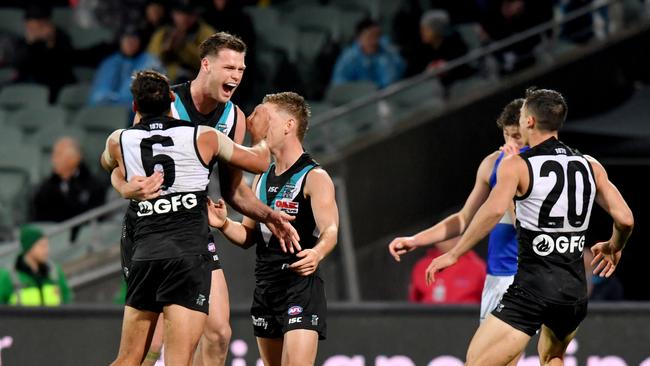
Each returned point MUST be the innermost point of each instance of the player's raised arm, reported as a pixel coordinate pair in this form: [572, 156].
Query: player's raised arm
[487, 216]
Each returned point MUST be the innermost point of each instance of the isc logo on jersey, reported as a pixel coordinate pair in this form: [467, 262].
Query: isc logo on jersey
[544, 244]
[163, 205]
[287, 206]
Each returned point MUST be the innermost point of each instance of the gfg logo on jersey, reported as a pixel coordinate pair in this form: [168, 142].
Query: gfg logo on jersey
[544, 244]
[164, 205]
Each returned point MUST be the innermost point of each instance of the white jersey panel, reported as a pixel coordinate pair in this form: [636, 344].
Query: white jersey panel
[177, 143]
[563, 190]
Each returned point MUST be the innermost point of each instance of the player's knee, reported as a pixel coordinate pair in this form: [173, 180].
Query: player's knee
[218, 333]
[296, 361]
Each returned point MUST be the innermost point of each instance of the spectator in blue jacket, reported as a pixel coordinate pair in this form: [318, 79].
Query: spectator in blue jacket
[113, 77]
[370, 58]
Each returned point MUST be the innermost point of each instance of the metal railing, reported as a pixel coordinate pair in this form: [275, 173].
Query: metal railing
[553, 26]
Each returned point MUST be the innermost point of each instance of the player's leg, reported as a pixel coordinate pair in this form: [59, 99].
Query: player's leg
[270, 350]
[300, 347]
[551, 349]
[156, 343]
[495, 343]
[183, 328]
[137, 330]
[493, 290]
[217, 332]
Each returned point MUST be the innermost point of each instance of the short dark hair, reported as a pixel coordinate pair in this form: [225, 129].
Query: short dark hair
[510, 114]
[295, 105]
[151, 93]
[547, 106]
[219, 41]
[364, 24]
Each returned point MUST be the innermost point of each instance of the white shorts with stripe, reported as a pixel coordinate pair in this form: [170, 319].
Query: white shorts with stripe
[493, 290]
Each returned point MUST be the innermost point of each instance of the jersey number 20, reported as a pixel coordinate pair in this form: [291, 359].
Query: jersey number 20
[151, 162]
[575, 220]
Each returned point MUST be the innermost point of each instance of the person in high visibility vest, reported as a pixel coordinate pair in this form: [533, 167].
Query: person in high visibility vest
[34, 280]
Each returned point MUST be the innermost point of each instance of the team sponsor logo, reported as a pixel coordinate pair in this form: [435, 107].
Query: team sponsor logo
[211, 247]
[260, 322]
[314, 320]
[295, 320]
[288, 191]
[164, 205]
[287, 206]
[294, 310]
[544, 245]
[273, 189]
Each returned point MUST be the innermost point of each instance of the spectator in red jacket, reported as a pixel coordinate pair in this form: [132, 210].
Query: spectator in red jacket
[460, 284]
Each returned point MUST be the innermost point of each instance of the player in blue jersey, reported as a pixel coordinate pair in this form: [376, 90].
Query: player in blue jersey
[502, 244]
[289, 310]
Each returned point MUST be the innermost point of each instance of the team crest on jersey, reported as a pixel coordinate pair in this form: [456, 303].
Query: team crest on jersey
[288, 191]
[287, 206]
[222, 127]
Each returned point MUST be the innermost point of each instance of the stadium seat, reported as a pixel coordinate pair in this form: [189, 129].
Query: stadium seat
[83, 74]
[12, 21]
[84, 38]
[366, 6]
[418, 94]
[283, 38]
[73, 97]
[264, 18]
[469, 32]
[16, 96]
[343, 93]
[14, 192]
[63, 17]
[101, 118]
[469, 86]
[12, 136]
[30, 119]
[348, 23]
[316, 18]
[318, 108]
[7, 75]
[22, 157]
[103, 234]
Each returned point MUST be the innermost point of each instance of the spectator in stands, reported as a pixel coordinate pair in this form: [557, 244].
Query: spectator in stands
[440, 43]
[177, 46]
[34, 280]
[461, 285]
[113, 77]
[155, 16]
[504, 18]
[71, 189]
[370, 58]
[45, 55]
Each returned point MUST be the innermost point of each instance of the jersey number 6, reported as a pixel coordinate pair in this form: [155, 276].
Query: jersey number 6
[151, 162]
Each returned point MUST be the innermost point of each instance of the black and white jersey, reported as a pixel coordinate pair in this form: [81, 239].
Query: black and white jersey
[175, 223]
[284, 192]
[552, 218]
[223, 117]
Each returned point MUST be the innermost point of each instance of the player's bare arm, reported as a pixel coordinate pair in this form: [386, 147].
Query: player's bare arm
[496, 205]
[138, 188]
[319, 188]
[214, 144]
[111, 153]
[454, 224]
[608, 253]
[239, 195]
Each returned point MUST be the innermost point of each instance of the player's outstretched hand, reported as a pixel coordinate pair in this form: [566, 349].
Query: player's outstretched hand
[143, 188]
[217, 213]
[278, 223]
[400, 246]
[307, 263]
[437, 265]
[605, 259]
